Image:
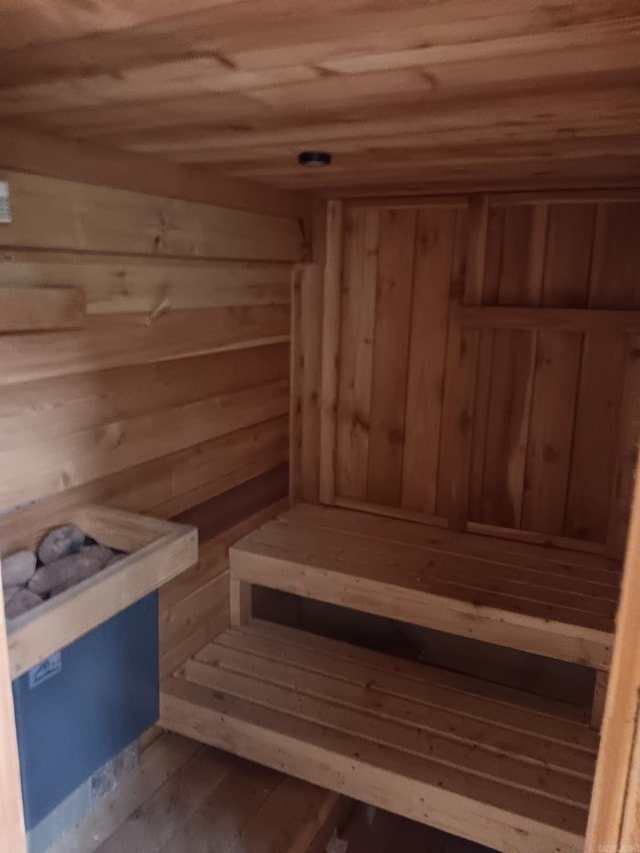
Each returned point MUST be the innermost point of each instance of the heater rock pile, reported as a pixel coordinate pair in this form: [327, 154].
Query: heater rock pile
[64, 558]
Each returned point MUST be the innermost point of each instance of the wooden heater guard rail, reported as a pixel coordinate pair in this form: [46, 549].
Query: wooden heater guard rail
[160, 550]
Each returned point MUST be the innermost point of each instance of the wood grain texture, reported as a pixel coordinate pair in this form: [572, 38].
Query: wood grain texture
[390, 355]
[435, 243]
[73, 160]
[59, 621]
[331, 309]
[149, 285]
[357, 722]
[559, 319]
[514, 409]
[184, 796]
[436, 581]
[359, 290]
[39, 309]
[431, 96]
[51, 213]
[168, 341]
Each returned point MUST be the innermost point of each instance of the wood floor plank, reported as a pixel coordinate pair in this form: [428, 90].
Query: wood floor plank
[221, 818]
[289, 820]
[158, 763]
[154, 823]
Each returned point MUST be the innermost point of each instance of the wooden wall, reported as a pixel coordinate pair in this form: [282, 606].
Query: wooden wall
[530, 427]
[174, 393]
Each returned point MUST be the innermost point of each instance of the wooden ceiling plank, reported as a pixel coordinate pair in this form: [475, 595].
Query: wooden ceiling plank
[539, 117]
[186, 78]
[77, 161]
[532, 89]
[32, 22]
[288, 35]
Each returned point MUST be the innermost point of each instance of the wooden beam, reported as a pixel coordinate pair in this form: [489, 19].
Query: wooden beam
[330, 352]
[11, 815]
[38, 309]
[93, 164]
[614, 800]
[557, 319]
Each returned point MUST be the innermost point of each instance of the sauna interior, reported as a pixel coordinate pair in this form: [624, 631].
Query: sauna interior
[320, 323]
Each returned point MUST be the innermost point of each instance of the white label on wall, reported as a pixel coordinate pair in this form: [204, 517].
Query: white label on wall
[5, 210]
[45, 670]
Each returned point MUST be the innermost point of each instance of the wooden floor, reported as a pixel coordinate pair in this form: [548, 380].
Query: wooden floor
[189, 798]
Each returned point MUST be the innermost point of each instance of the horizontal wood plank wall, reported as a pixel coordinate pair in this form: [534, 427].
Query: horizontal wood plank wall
[554, 416]
[174, 393]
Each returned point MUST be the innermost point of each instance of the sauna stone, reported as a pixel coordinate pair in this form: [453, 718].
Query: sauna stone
[18, 568]
[70, 570]
[21, 602]
[8, 592]
[60, 543]
[117, 558]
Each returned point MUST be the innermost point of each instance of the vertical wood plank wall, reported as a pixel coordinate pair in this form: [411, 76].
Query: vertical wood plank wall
[552, 416]
[174, 393]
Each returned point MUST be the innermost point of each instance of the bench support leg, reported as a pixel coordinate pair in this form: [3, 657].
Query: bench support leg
[239, 603]
[599, 697]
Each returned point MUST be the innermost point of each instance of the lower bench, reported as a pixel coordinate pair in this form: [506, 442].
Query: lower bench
[487, 763]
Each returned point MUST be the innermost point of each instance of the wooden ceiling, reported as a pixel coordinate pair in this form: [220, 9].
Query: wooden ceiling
[402, 92]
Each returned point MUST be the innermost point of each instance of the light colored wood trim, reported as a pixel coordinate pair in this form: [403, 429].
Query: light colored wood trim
[80, 161]
[38, 309]
[516, 190]
[161, 551]
[558, 319]
[392, 512]
[619, 731]
[567, 196]
[535, 538]
[330, 351]
[175, 335]
[116, 284]
[397, 202]
[599, 698]
[240, 602]
[56, 214]
[11, 815]
[461, 369]
[296, 373]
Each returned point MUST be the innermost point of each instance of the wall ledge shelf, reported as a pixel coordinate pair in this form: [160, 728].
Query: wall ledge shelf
[160, 550]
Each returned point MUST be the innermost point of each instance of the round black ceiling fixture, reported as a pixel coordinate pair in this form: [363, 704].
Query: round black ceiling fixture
[314, 158]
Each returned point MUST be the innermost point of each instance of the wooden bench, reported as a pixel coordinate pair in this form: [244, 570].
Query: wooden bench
[547, 601]
[486, 763]
[490, 764]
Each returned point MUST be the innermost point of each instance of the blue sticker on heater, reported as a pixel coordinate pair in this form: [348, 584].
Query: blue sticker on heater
[45, 670]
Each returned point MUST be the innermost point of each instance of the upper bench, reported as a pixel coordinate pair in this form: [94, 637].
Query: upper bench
[548, 601]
